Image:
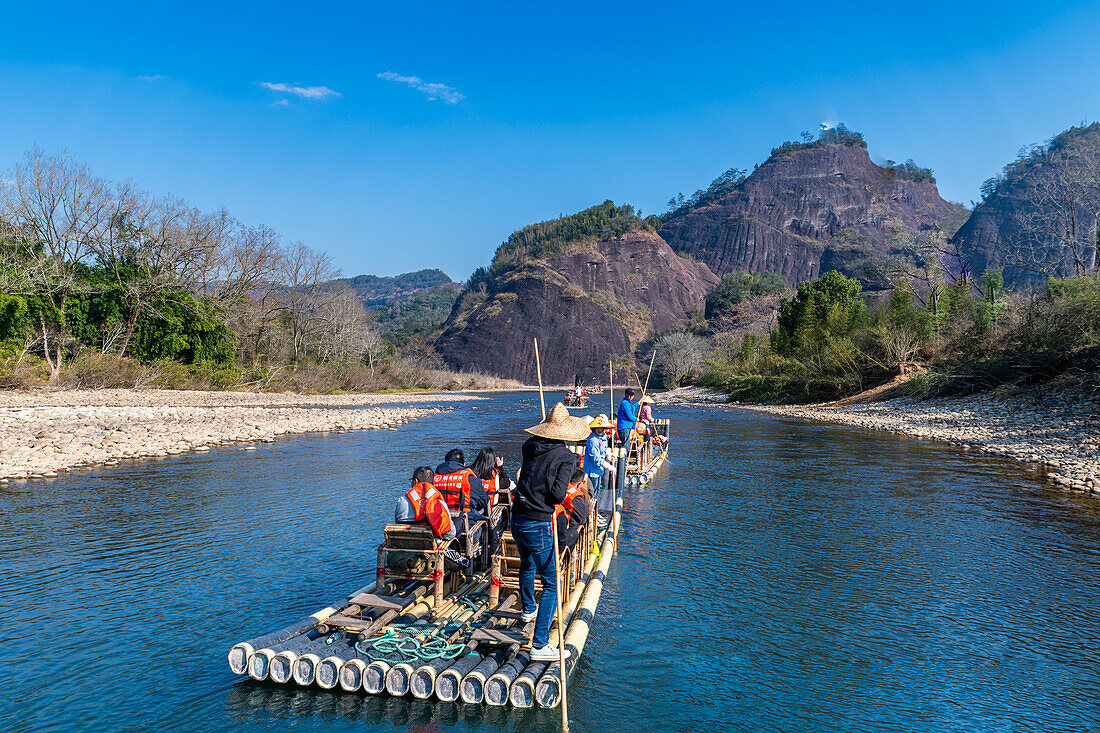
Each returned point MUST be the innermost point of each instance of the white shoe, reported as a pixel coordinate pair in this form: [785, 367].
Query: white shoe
[529, 616]
[548, 653]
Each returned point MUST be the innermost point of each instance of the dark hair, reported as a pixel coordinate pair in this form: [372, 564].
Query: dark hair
[456, 455]
[423, 475]
[485, 463]
[578, 475]
[630, 392]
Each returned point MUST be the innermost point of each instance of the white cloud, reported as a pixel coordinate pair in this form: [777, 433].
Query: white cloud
[281, 103]
[433, 90]
[300, 91]
[154, 77]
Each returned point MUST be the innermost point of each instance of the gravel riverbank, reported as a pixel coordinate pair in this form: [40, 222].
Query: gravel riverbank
[43, 433]
[1057, 430]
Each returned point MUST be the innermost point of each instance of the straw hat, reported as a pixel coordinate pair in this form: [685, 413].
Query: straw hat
[600, 423]
[560, 425]
[646, 400]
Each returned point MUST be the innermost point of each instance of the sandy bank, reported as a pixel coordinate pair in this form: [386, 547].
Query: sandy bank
[45, 432]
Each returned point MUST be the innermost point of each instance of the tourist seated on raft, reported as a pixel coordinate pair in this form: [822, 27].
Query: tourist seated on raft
[548, 467]
[572, 514]
[423, 504]
[463, 491]
[489, 467]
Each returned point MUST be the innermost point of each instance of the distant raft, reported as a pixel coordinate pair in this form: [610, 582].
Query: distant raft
[427, 630]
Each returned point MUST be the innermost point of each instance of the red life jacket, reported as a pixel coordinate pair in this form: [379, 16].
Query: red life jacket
[455, 488]
[429, 507]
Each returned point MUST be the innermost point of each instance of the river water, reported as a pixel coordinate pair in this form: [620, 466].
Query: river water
[777, 575]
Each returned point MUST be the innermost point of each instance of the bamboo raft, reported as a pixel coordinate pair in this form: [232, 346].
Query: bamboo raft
[646, 456]
[425, 630]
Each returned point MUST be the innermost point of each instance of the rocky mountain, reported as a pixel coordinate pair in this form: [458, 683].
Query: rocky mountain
[811, 207]
[1038, 217]
[374, 291]
[590, 287]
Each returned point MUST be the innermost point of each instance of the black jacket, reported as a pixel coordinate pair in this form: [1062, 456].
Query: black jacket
[544, 478]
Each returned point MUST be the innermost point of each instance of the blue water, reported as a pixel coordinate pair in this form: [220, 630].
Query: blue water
[777, 575]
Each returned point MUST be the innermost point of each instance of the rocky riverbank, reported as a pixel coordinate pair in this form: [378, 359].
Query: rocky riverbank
[45, 432]
[1057, 430]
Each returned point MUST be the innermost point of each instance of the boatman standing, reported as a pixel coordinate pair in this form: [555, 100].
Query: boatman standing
[548, 467]
[626, 418]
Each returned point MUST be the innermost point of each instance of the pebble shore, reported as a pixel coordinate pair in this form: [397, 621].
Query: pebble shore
[44, 433]
[1059, 431]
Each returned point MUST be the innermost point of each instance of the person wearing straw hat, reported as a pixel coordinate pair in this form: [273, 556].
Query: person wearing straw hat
[548, 466]
[597, 457]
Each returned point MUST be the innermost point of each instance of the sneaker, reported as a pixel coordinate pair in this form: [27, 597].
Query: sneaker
[602, 521]
[529, 616]
[548, 653]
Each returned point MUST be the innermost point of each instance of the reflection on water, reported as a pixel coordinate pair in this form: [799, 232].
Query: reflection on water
[777, 575]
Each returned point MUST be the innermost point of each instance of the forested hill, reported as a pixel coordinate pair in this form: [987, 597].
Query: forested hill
[590, 286]
[812, 206]
[1039, 216]
[374, 290]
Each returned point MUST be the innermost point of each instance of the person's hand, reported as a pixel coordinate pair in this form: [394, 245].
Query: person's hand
[500, 461]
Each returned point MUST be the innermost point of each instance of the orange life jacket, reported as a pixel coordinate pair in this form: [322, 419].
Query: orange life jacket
[429, 507]
[566, 505]
[492, 485]
[455, 488]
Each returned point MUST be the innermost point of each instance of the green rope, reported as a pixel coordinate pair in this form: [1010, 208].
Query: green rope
[392, 641]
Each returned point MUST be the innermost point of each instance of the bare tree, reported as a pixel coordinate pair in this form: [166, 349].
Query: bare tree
[57, 212]
[346, 332]
[678, 355]
[304, 287]
[1059, 223]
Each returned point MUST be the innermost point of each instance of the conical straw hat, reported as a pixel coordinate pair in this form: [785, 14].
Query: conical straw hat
[560, 425]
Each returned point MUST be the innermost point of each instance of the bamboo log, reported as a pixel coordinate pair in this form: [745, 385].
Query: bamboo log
[538, 369]
[422, 682]
[522, 692]
[473, 684]
[496, 687]
[239, 654]
[448, 683]
[548, 690]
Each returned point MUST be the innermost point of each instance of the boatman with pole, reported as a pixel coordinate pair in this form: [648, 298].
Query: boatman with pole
[626, 417]
[548, 467]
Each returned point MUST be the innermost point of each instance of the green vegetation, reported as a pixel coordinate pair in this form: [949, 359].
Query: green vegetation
[552, 238]
[839, 135]
[829, 342]
[1033, 156]
[718, 188]
[910, 171]
[737, 287]
[417, 317]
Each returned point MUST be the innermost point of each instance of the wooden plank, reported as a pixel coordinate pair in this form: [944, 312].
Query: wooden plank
[499, 636]
[347, 622]
[390, 603]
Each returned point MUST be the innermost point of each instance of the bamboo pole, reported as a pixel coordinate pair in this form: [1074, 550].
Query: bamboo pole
[649, 373]
[538, 368]
[561, 628]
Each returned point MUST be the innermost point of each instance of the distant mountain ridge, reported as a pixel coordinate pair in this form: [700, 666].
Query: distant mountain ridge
[811, 207]
[375, 290]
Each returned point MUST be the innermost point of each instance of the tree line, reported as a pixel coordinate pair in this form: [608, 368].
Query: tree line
[91, 265]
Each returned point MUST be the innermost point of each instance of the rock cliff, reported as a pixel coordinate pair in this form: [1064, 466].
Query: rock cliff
[1050, 188]
[810, 208]
[597, 300]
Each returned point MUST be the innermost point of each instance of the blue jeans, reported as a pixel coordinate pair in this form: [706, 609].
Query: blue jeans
[536, 553]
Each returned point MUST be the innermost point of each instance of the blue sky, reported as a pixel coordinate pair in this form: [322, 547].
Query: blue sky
[399, 136]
